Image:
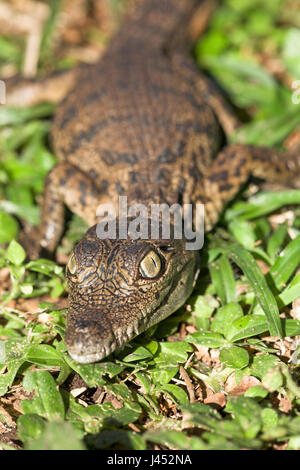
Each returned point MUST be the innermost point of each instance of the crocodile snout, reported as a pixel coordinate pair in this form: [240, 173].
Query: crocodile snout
[92, 335]
[88, 340]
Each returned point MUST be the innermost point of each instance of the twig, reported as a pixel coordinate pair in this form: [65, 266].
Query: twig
[134, 427]
[30, 23]
[188, 383]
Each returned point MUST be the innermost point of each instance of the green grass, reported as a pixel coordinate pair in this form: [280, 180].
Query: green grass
[236, 338]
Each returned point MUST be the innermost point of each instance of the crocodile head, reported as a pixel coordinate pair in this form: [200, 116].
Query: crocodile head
[119, 288]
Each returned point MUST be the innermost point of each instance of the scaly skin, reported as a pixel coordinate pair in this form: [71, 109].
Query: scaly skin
[144, 123]
[111, 302]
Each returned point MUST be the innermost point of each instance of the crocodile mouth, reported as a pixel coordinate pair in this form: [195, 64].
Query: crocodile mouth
[95, 340]
[80, 353]
[88, 358]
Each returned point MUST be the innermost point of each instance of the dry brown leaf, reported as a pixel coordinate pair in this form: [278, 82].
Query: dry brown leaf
[234, 389]
[263, 266]
[278, 219]
[216, 399]
[285, 404]
[295, 312]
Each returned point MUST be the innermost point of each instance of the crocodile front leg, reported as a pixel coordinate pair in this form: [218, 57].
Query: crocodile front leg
[65, 185]
[232, 168]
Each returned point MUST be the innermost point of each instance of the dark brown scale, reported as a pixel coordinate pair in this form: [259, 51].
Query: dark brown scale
[146, 123]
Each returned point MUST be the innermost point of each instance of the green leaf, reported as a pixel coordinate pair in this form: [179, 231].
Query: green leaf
[138, 354]
[290, 51]
[206, 418]
[171, 354]
[152, 346]
[257, 391]
[202, 308]
[49, 398]
[13, 349]
[269, 131]
[206, 338]
[234, 357]
[277, 239]
[108, 438]
[26, 212]
[44, 355]
[223, 279]
[294, 443]
[13, 116]
[248, 83]
[224, 317]
[259, 285]
[49, 28]
[6, 380]
[273, 379]
[269, 418]
[175, 439]
[291, 327]
[265, 203]
[161, 376]
[8, 228]
[57, 436]
[243, 232]
[176, 393]
[262, 363]
[30, 426]
[246, 327]
[286, 263]
[44, 266]
[57, 287]
[291, 292]
[145, 380]
[247, 413]
[129, 413]
[8, 50]
[120, 390]
[93, 374]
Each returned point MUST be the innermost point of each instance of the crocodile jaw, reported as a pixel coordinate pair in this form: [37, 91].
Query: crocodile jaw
[110, 302]
[88, 344]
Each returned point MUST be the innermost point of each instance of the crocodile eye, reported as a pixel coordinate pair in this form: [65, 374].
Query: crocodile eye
[72, 265]
[150, 266]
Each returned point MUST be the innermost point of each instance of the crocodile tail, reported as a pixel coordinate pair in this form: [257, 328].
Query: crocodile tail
[153, 23]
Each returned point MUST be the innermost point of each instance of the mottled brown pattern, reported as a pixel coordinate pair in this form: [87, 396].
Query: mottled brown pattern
[144, 123]
[110, 302]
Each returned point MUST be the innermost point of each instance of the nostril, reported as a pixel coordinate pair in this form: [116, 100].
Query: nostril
[88, 340]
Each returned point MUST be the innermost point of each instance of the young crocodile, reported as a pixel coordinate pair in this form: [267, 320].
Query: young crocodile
[145, 123]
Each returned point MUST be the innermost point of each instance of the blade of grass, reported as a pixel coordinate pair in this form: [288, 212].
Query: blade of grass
[276, 240]
[286, 263]
[49, 28]
[223, 279]
[291, 293]
[264, 295]
[12, 116]
[265, 203]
